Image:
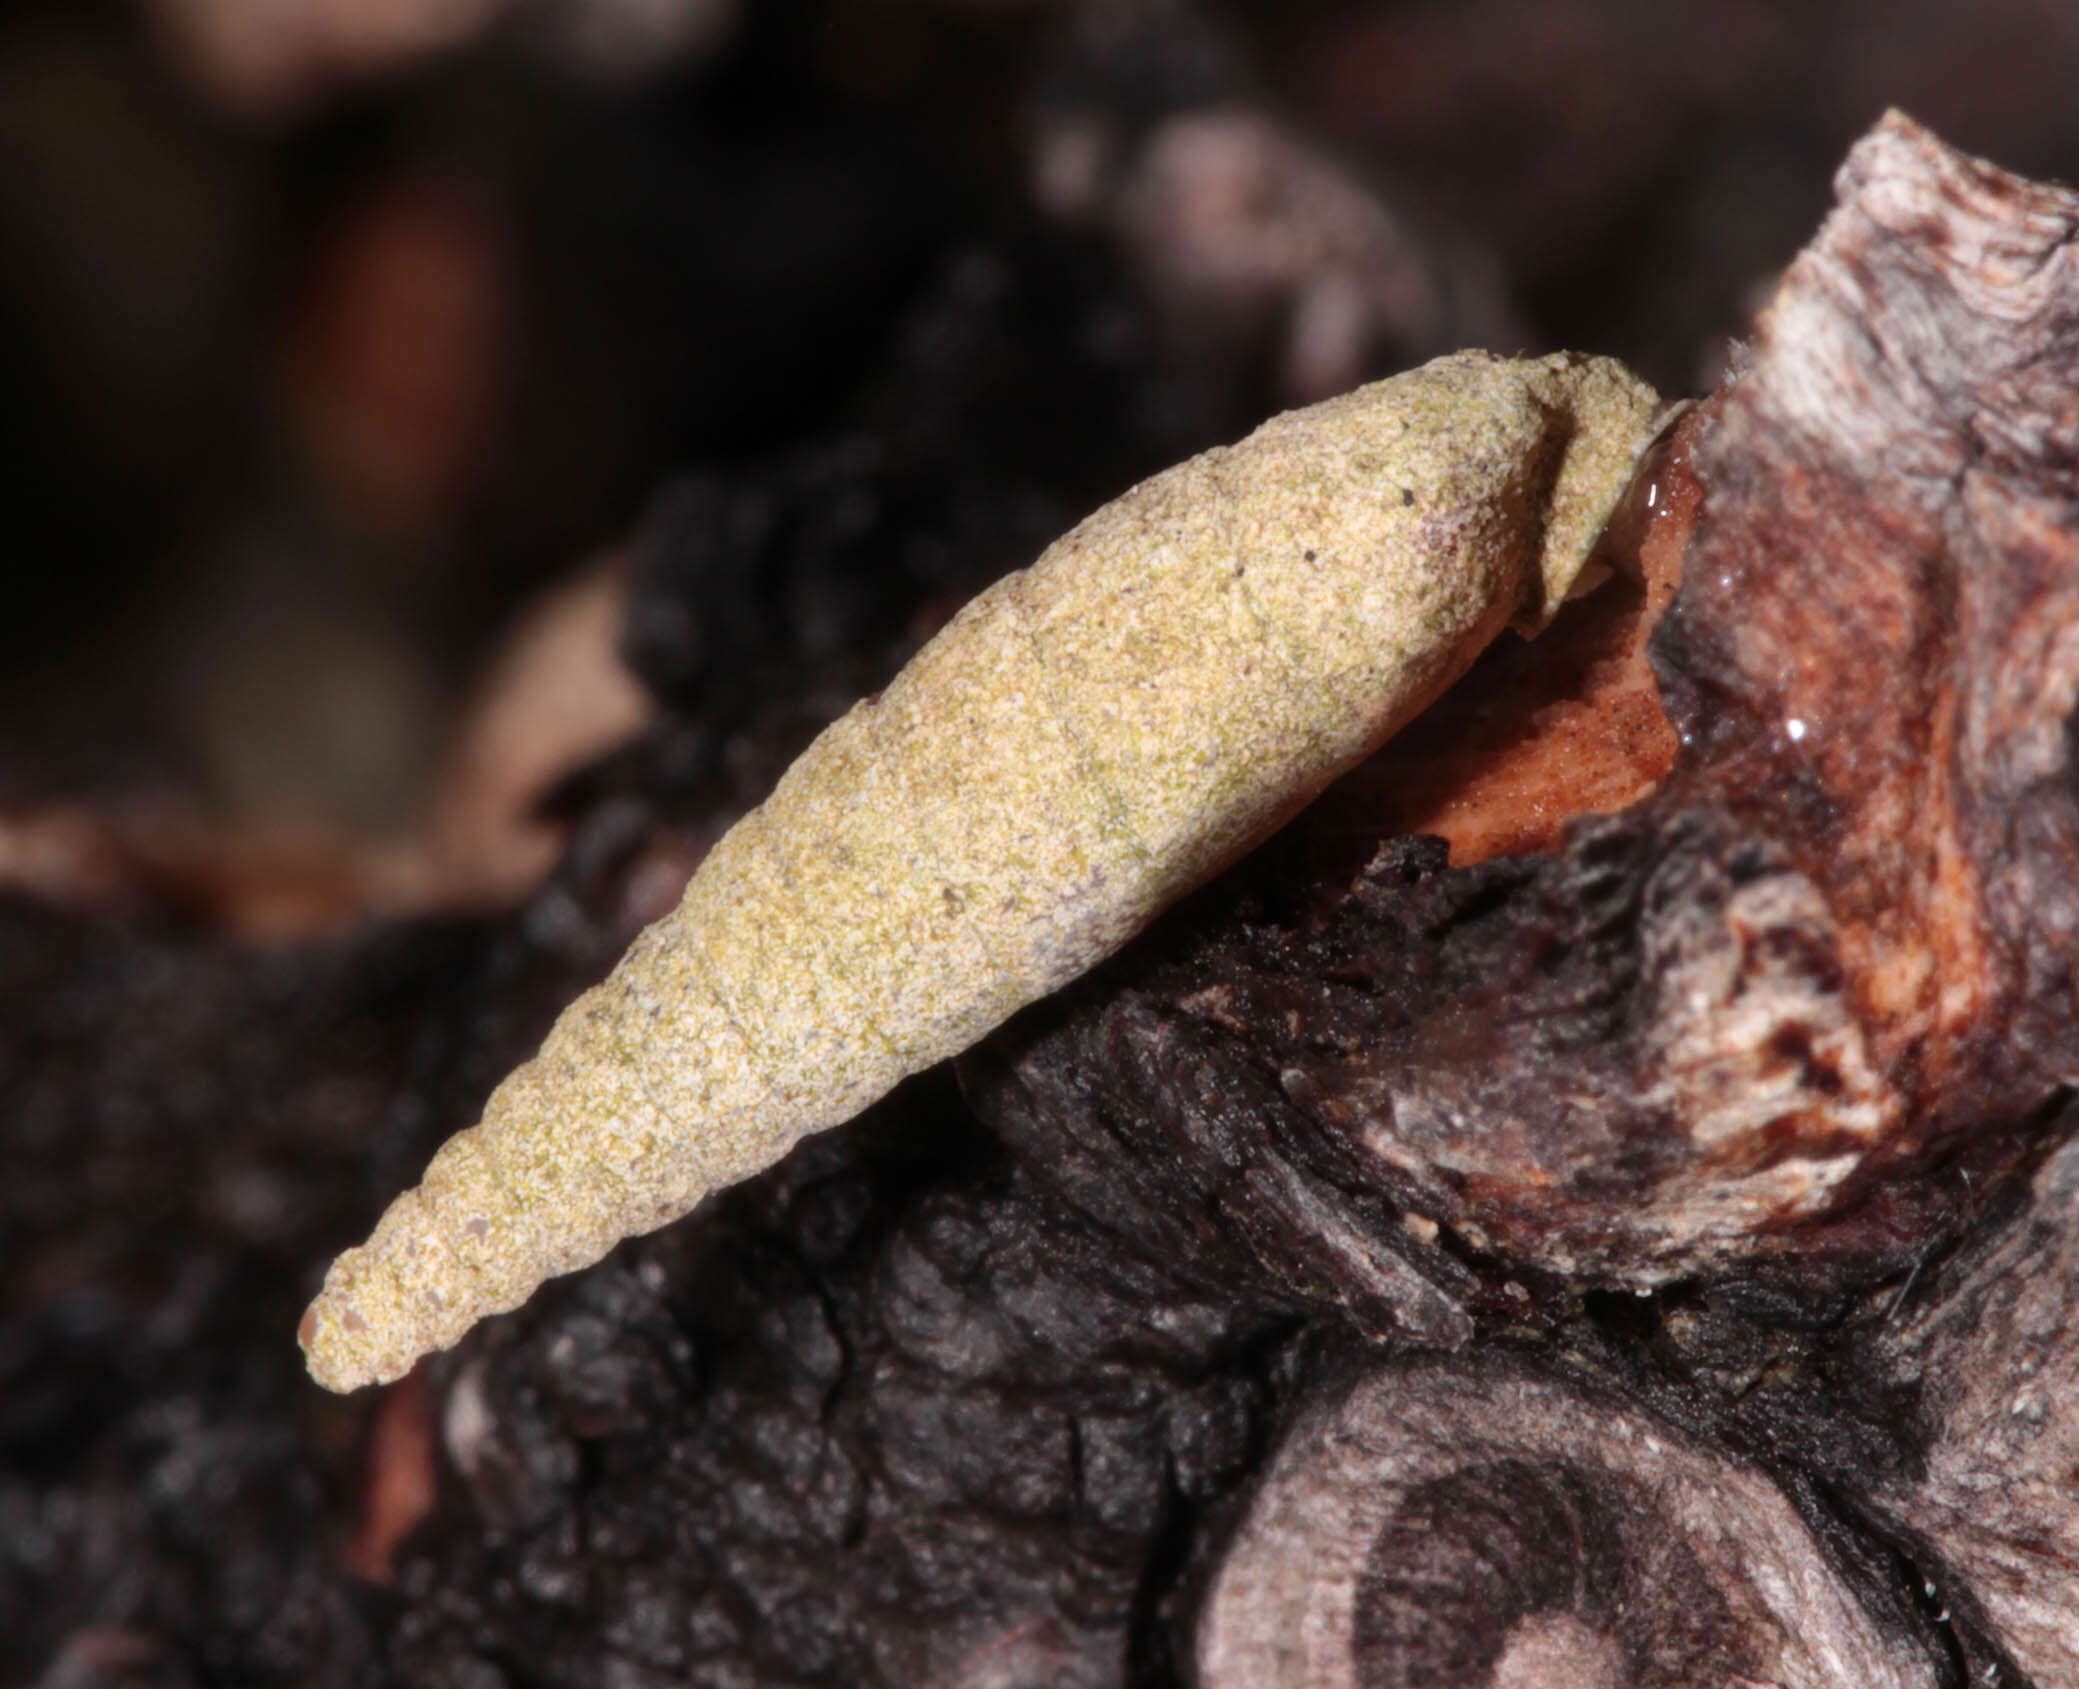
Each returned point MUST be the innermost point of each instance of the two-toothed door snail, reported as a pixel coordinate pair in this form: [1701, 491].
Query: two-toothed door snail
[1085, 742]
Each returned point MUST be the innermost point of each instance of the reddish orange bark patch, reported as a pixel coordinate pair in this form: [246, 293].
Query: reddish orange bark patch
[1541, 731]
[401, 1480]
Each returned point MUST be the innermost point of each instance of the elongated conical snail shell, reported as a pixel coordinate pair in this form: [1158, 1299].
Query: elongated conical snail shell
[1085, 742]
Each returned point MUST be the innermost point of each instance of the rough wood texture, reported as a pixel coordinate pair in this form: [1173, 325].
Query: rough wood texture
[1464, 1524]
[1791, 1010]
[1995, 1356]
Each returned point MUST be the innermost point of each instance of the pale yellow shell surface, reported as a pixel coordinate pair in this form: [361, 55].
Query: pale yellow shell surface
[1082, 744]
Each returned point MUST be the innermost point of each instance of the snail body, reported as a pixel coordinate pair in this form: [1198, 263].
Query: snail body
[1085, 742]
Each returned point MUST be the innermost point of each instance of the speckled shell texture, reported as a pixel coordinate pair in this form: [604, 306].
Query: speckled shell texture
[1085, 742]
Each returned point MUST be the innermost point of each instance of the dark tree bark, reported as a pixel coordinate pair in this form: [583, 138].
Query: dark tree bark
[1786, 1019]
[1464, 1523]
[1995, 1357]
[1792, 1009]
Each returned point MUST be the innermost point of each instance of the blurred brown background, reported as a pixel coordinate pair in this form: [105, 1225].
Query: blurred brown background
[337, 331]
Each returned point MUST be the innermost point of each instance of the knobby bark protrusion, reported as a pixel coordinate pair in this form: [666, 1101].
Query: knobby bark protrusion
[1794, 1008]
[1995, 1353]
[1460, 1524]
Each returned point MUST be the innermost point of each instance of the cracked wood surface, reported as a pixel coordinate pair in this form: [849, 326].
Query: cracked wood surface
[1791, 1010]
